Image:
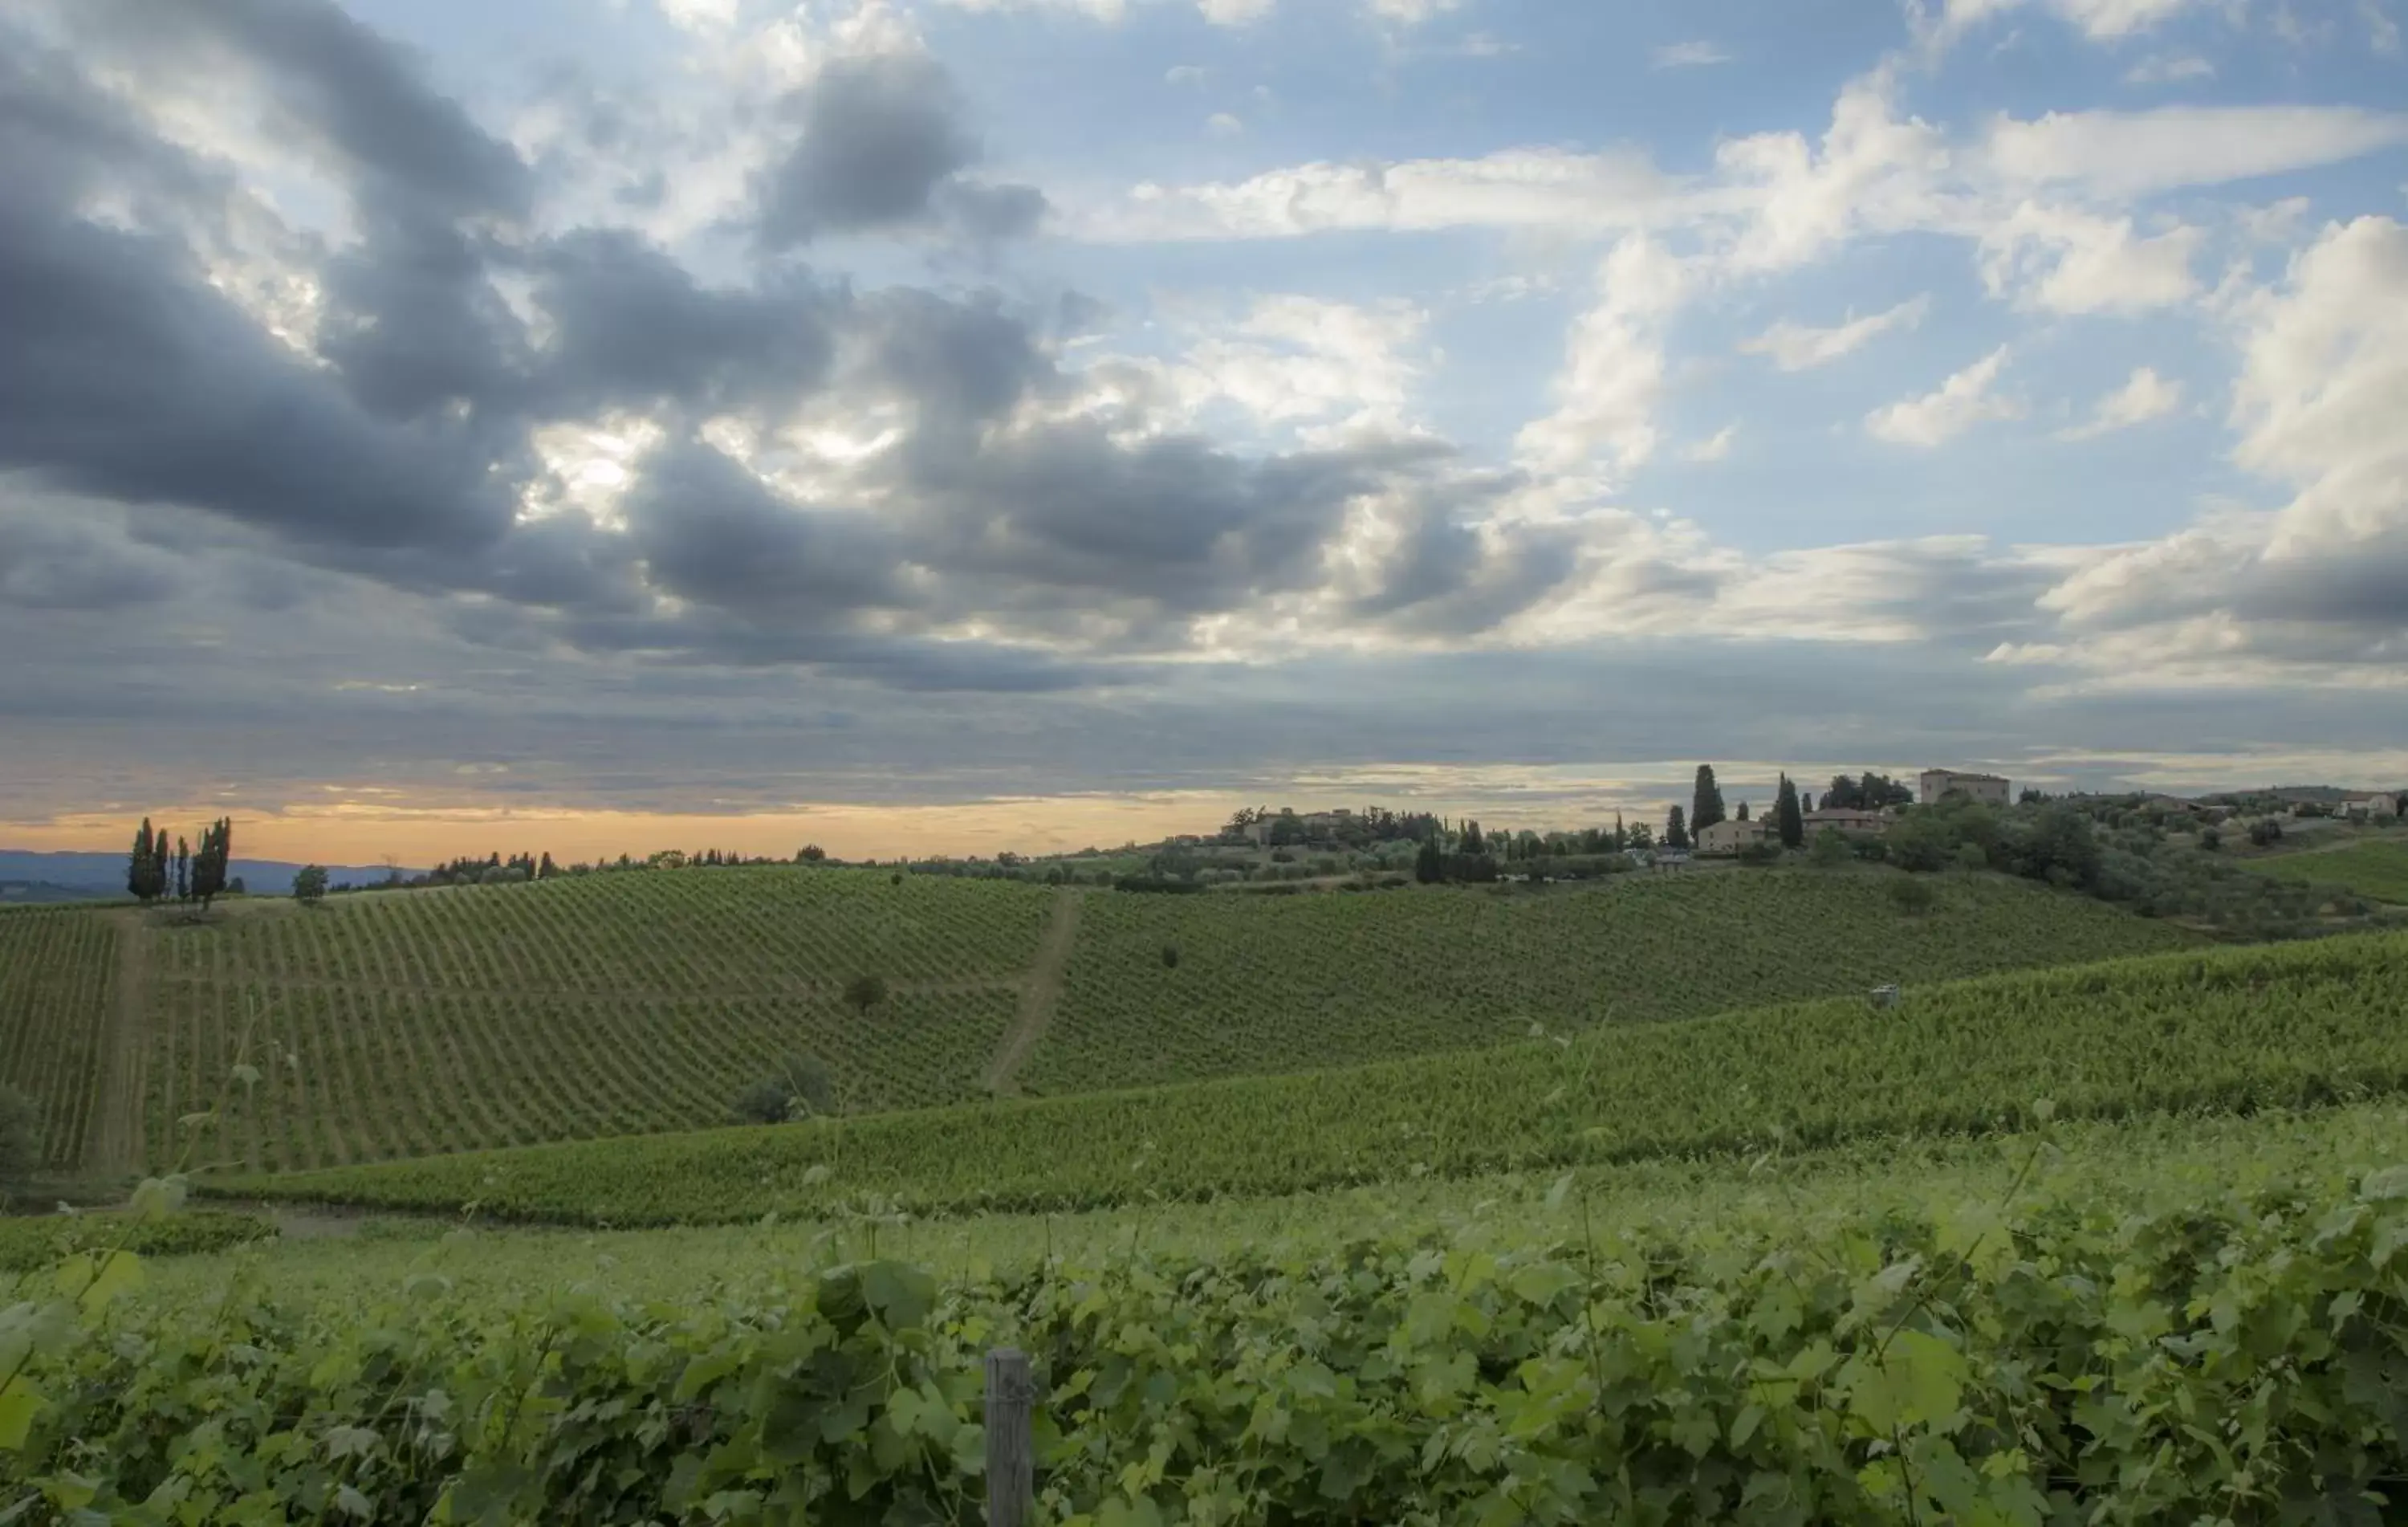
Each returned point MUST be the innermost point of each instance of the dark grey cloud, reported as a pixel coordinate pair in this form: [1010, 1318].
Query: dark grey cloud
[987, 211]
[709, 531]
[49, 563]
[326, 80]
[415, 325]
[1444, 578]
[402, 446]
[1175, 521]
[124, 373]
[2331, 602]
[963, 364]
[881, 146]
[633, 328]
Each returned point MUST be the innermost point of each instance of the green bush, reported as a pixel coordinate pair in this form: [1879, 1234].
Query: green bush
[1913, 896]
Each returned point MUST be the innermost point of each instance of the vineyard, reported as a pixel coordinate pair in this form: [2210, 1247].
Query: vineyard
[2078, 1332]
[2376, 869]
[58, 972]
[413, 1023]
[2230, 1030]
[1284, 984]
[420, 1023]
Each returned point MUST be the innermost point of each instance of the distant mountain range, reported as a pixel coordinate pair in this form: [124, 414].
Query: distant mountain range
[46, 876]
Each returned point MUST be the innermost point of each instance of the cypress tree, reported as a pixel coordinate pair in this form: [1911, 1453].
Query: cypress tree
[138, 869]
[1676, 835]
[1743, 811]
[1788, 819]
[1706, 800]
[209, 868]
[183, 871]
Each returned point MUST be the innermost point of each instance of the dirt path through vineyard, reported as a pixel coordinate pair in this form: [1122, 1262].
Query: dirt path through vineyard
[1038, 997]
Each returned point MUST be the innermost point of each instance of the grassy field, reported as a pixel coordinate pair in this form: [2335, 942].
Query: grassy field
[2230, 1030]
[408, 1024]
[2377, 869]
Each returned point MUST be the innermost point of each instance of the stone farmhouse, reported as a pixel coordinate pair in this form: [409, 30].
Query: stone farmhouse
[1991, 790]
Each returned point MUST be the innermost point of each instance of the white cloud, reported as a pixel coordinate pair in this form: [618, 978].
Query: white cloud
[2325, 387]
[1777, 200]
[1961, 402]
[1795, 347]
[2382, 31]
[1686, 55]
[2315, 591]
[1295, 360]
[2101, 20]
[1234, 12]
[1547, 189]
[1714, 447]
[699, 15]
[2166, 70]
[1099, 10]
[1613, 364]
[2143, 396]
[1221, 125]
[1410, 13]
[1874, 172]
[1183, 74]
[1484, 44]
[2135, 154]
[2072, 261]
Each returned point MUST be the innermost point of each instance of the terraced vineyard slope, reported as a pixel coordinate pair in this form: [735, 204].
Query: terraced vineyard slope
[1270, 984]
[58, 972]
[2230, 1030]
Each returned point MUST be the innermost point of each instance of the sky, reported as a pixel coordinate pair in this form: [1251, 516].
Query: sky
[925, 425]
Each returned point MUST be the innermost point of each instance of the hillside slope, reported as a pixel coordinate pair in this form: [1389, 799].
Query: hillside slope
[2377, 867]
[2228, 1030]
[1272, 984]
[415, 1023]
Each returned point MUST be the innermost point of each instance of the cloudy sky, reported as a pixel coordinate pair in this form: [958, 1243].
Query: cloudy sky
[985, 423]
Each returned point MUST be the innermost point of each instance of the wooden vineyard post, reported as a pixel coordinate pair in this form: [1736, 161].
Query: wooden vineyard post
[1011, 1448]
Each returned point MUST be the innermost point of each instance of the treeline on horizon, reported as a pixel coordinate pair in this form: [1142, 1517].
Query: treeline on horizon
[2132, 848]
[1430, 847]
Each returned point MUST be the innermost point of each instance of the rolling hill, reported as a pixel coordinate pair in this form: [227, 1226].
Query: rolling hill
[103, 876]
[2377, 868]
[2228, 1030]
[405, 1024]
